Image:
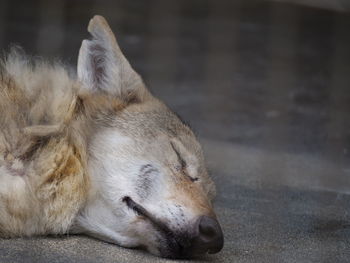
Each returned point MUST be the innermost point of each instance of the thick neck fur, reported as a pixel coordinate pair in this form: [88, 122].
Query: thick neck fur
[45, 124]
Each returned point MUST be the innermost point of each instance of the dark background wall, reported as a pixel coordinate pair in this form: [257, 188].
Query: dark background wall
[266, 74]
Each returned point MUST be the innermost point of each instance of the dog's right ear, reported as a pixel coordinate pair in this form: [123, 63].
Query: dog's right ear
[102, 67]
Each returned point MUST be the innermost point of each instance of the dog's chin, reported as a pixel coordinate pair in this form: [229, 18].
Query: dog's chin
[175, 252]
[176, 246]
[171, 252]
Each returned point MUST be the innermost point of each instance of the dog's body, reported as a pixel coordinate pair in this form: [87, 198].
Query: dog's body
[42, 151]
[98, 154]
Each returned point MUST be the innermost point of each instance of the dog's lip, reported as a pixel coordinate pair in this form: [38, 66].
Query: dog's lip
[173, 249]
[140, 210]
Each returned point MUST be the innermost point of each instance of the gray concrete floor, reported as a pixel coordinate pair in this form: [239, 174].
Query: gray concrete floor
[266, 88]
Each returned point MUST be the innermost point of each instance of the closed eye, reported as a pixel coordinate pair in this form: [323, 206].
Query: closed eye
[181, 161]
[183, 164]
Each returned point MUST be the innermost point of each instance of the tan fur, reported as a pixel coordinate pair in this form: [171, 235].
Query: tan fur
[39, 134]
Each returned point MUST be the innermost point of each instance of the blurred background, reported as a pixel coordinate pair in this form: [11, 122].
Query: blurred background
[264, 84]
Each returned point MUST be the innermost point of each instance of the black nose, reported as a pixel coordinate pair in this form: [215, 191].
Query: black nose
[208, 236]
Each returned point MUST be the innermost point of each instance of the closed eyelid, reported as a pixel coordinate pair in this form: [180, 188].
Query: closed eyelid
[182, 163]
[180, 159]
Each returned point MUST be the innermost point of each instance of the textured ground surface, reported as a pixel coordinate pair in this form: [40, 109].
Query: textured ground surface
[266, 88]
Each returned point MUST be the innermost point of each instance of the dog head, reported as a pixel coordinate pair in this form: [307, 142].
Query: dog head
[150, 187]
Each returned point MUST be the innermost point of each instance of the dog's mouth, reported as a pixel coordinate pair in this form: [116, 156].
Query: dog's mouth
[140, 210]
[172, 245]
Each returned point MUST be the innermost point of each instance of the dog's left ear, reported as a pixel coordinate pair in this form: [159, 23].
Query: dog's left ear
[102, 67]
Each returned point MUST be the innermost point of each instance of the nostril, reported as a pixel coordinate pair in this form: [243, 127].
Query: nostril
[207, 230]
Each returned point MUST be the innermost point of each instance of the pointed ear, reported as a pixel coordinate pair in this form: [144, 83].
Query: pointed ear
[102, 66]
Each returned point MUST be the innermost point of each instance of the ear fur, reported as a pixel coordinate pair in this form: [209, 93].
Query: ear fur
[102, 67]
